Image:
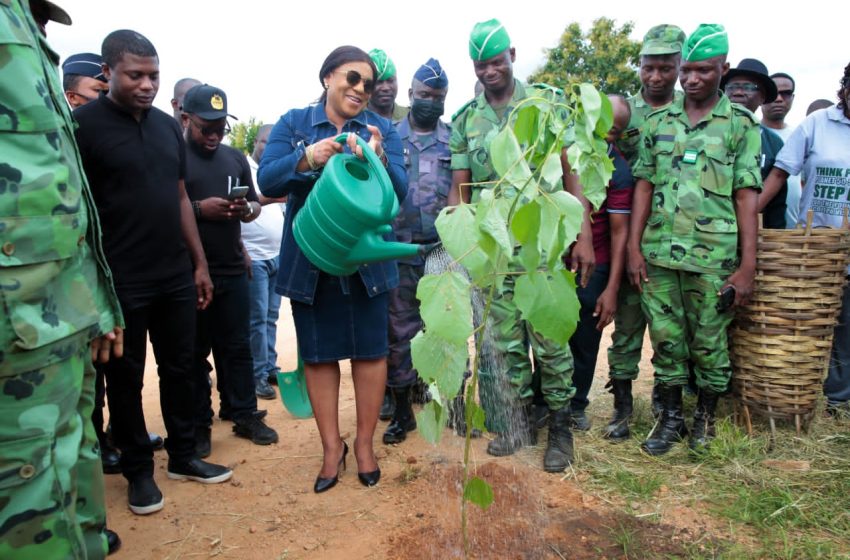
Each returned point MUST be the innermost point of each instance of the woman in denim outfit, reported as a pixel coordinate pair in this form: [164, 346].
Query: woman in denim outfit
[336, 317]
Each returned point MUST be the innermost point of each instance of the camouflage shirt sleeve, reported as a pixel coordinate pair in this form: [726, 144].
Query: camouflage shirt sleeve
[458, 141]
[747, 171]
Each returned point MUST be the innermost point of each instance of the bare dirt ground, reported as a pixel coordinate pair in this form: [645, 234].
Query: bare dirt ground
[268, 510]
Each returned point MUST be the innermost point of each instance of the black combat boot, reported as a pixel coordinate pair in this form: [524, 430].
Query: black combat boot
[559, 448]
[403, 420]
[670, 428]
[656, 402]
[703, 431]
[618, 428]
[388, 406]
[523, 433]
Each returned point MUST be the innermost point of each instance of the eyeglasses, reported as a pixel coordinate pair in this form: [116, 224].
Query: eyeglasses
[785, 94]
[742, 86]
[353, 77]
[217, 129]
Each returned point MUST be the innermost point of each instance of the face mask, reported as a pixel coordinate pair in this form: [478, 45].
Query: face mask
[426, 112]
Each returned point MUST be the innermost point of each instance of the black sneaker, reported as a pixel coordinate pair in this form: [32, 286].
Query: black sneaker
[264, 390]
[113, 541]
[156, 441]
[256, 430]
[198, 470]
[272, 378]
[144, 496]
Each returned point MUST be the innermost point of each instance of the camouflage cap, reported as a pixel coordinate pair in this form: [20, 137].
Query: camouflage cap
[663, 39]
[385, 66]
[709, 40]
[488, 38]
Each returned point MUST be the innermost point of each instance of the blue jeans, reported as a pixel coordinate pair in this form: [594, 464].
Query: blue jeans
[265, 309]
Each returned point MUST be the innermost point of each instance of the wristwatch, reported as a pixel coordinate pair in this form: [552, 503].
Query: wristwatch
[250, 211]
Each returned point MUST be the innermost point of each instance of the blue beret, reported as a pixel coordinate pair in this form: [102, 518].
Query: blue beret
[84, 64]
[432, 74]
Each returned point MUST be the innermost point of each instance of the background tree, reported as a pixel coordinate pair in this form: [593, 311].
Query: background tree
[606, 57]
[243, 134]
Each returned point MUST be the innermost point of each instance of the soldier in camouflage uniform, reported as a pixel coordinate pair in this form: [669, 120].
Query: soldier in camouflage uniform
[57, 297]
[386, 89]
[660, 56]
[428, 160]
[694, 234]
[507, 408]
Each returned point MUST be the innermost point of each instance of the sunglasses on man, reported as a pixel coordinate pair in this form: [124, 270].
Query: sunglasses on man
[217, 129]
[353, 77]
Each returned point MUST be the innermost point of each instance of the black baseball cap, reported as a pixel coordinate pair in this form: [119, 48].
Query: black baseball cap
[207, 102]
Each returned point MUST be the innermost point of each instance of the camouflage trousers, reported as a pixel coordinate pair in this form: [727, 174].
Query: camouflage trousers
[684, 324]
[51, 482]
[627, 338]
[505, 372]
[404, 323]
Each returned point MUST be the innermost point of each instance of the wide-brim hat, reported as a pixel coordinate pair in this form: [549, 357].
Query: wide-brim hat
[757, 71]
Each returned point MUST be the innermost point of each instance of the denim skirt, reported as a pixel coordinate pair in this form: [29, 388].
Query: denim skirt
[343, 322]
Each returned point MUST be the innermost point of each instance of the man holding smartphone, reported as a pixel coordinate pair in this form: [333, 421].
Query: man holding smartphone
[692, 241]
[218, 181]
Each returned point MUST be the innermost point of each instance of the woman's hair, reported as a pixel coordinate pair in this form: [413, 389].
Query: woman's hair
[340, 56]
[845, 83]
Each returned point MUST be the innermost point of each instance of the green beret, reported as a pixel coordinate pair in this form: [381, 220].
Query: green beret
[488, 38]
[709, 40]
[663, 39]
[385, 66]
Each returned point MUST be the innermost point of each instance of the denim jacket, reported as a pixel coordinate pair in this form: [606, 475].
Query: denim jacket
[278, 177]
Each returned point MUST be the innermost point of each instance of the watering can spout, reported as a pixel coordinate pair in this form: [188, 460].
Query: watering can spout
[372, 247]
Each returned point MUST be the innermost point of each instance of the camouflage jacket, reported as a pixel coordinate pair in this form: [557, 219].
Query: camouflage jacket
[473, 128]
[428, 163]
[629, 141]
[55, 287]
[695, 172]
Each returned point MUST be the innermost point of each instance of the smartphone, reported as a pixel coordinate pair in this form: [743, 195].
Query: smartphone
[727, 298]
[239, 191]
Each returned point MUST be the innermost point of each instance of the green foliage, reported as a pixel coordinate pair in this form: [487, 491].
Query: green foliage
[478, 492]
[242, 135]
[605, 56]
[520, 226]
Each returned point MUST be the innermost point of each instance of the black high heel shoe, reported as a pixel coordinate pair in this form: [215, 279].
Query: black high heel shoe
[369, 479]
[325, 484]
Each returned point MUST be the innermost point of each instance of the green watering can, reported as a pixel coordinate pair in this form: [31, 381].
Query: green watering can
[350, 208]
[293, 391]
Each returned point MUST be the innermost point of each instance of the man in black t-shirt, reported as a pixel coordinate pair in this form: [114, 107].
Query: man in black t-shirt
[218, 181]
[135, 159]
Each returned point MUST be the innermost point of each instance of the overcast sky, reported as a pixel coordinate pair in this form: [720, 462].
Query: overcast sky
[266, 55]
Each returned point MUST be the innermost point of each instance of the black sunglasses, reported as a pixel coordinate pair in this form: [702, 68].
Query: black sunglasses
[217, 129]
[353, 77]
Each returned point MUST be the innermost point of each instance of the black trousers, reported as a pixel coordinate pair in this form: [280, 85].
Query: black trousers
[166, 312]
[223, 328]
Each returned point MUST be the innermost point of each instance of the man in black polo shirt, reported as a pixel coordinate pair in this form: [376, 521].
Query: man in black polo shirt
[215, 174]
[134, 156]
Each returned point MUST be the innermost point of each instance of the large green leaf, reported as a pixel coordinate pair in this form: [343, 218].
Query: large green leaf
[446, 308]
[430, 421]
[507, 157]
[525, 127]
[459, 234]
[548, 301]
[572, 214]
[478, 416]
[478, 492]
[440, 361]
[591, 103]
[606, 116]
[525, 226]
[490, 217]
[552, 173]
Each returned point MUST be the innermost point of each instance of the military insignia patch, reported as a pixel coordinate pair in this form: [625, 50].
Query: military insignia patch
[216, 102]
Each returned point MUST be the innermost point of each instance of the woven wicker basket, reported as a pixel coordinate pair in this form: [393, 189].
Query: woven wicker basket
[781, 342]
